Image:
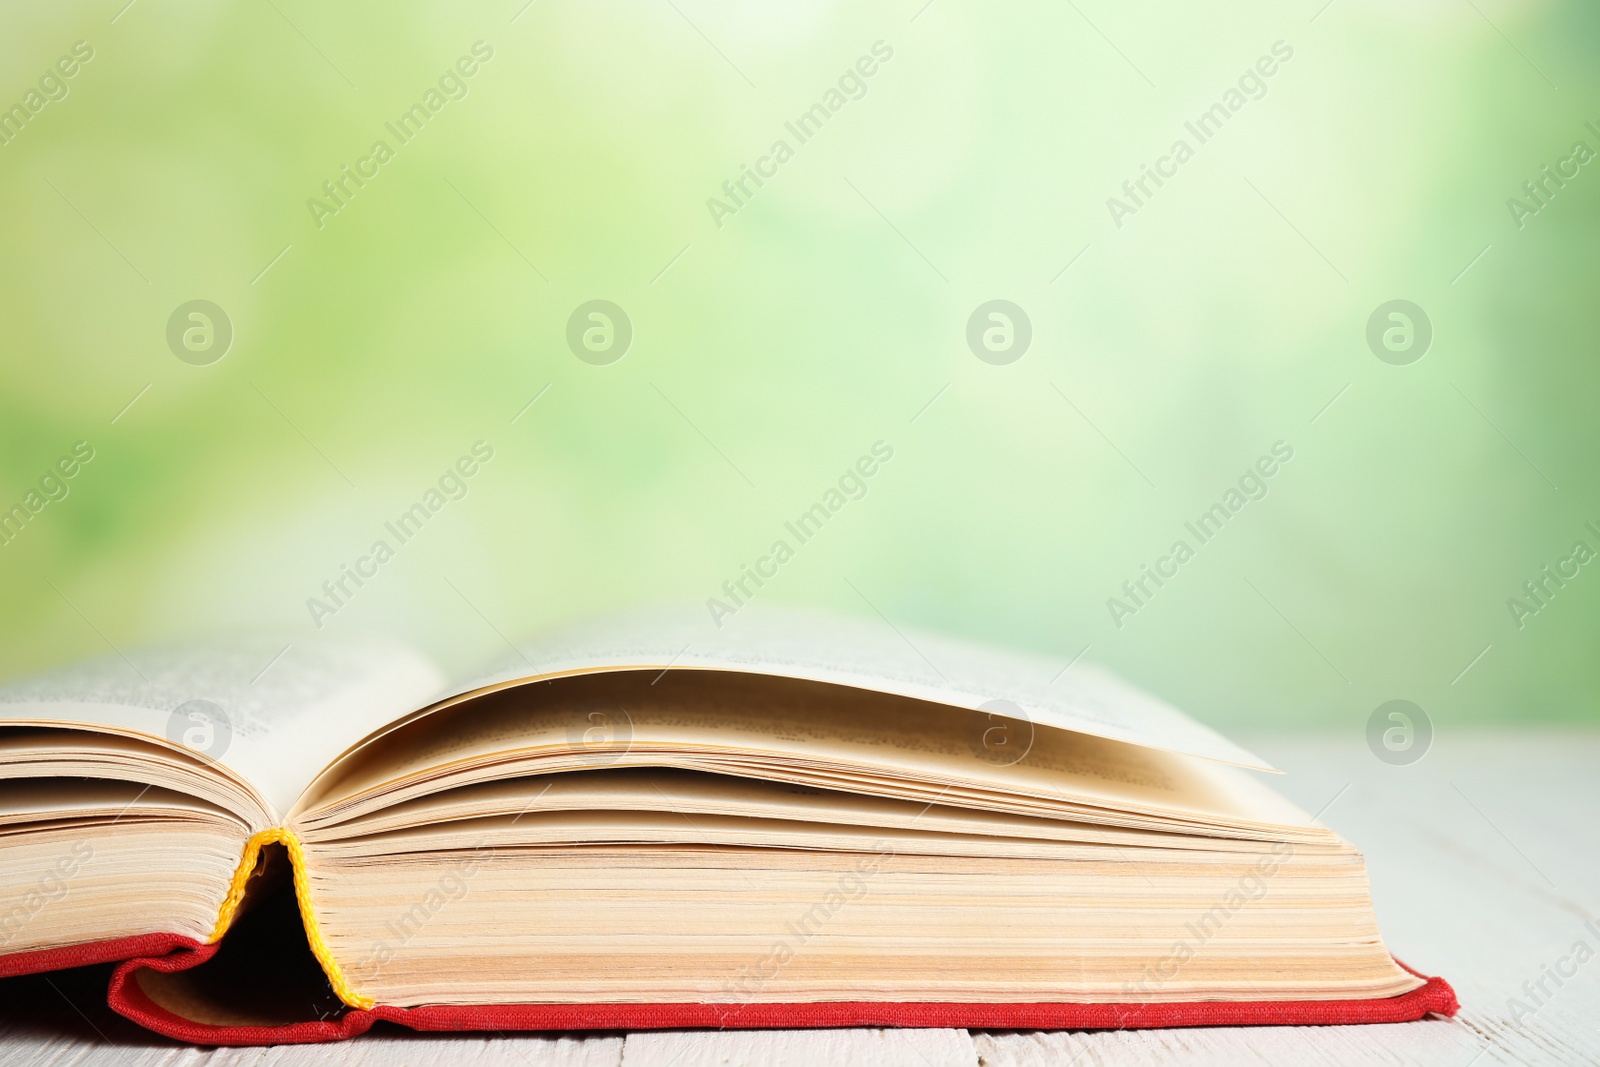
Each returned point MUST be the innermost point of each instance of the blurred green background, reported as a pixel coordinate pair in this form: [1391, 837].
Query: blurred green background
[1229, 312]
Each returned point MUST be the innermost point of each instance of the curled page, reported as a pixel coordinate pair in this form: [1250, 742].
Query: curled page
[270, 710]
[794, 643]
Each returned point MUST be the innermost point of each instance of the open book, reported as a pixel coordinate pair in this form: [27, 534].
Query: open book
[793, 820]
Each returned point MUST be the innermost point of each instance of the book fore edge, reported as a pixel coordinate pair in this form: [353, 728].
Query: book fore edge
[302, 895]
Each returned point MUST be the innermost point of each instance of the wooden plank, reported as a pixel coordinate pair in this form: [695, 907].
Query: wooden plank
[392, 1047]
[801, 1048]
[1485, 863]
[1434, 1042]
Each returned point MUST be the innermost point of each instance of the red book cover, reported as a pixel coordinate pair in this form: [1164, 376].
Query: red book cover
[129, 997]
[246, 990]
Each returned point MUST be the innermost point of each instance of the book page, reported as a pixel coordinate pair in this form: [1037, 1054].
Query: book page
[787, 730]
[27, 802]
[873, 654]
[690, 793]
[76, 759]
[271, 711]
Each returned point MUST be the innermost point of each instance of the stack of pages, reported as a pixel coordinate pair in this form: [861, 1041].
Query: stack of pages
[791, 820]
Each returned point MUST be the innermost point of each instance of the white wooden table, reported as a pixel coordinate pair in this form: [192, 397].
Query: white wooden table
[1485, 861]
